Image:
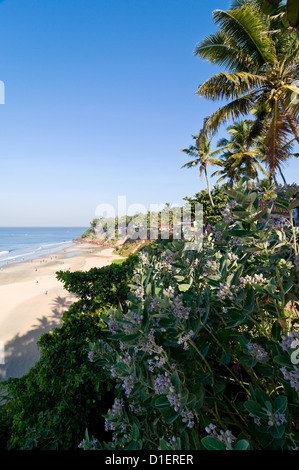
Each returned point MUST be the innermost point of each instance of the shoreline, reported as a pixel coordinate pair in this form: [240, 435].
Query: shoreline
[33, 300]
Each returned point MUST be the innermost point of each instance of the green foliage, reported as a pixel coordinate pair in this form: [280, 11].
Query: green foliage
[204, 356]
[64, 393]
[100, 286]
[288, 12]
[211, 215]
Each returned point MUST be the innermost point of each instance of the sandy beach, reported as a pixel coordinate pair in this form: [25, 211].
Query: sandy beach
[32, 301]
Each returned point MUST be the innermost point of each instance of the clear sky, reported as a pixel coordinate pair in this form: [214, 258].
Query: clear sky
[99, 100]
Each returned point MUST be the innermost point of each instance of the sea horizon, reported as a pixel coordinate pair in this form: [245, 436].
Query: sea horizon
[19, 244]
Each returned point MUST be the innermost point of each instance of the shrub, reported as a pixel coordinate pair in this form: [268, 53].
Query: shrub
[50, 406]
[206, 355]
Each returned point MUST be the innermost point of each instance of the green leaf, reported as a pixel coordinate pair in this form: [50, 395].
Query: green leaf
[210, 443]
[288, 287]
[184, 287]
[225, 357]
[135, 432]
[173, 417]
[282, 360]
[293, 13]
[249, 200]
[254, 408]
[280, 404]
[261, 396]
[218, 388]
[277, 431]
[128, 338]
[242, 445]
[175, 380]
[164, 445]
[276, 331]
[294, 203]
[161, 402]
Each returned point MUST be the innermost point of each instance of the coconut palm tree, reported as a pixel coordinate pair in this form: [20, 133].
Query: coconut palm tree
[203, 156]
[238, 157]
[261, 67]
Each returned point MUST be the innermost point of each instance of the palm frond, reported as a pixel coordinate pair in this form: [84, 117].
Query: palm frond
[229, 85]
[220, 49]
[236, 108]
[248, 28]
[276, 138]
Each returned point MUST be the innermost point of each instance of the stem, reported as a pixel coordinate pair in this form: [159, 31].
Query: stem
[250, 437]
[283, 302]
[294, 234]
[237, 380]
[203, 358]
[209, 190]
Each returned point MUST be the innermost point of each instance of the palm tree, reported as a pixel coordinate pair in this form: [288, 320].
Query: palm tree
[238, 157]
[287, 151]
[202, 156]
[261, 65]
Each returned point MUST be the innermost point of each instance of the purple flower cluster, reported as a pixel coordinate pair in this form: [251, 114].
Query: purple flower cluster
[144, 259]
[188, 417]
[218, 235]
[256, 419]
[226, 437]
[251, 185]
[163, 386]
[232, 256]
[114, 412]
[91, 356]
[225, 292]
[287, 341]
[255, 279]
[276, 418]
[211, 264]
[227, 213]
[183, 339]
[292, 377]
[179, 309]
[257, 351]
[169, 292]
[162, 383]
[139, 293]
[112, 323]
[149, 344]
[133, 320]
[128, 384]
[154, 303]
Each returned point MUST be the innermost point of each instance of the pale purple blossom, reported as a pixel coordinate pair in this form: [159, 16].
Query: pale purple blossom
[183, 339]
[226, 437]
[287, 341]
[179, 309]
[257, 351]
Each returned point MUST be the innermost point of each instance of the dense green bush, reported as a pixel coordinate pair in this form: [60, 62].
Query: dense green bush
[50, 407]
[206, 355]
[211, 215]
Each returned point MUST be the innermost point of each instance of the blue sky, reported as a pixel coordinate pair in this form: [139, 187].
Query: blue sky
[99, 100]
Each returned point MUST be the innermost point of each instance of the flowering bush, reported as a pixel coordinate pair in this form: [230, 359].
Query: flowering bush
[206, 355]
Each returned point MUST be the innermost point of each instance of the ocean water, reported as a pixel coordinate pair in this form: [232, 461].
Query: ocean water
[25, 243]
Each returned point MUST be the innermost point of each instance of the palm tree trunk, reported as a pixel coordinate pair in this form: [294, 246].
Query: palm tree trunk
[209, 190]
[282, 175]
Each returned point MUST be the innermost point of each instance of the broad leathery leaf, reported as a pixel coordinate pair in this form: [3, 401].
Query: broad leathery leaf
[293, 13]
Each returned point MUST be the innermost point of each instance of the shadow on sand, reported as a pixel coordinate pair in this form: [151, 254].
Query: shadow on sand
[21, 353]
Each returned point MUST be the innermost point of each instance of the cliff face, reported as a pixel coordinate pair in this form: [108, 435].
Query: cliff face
[93, 241]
